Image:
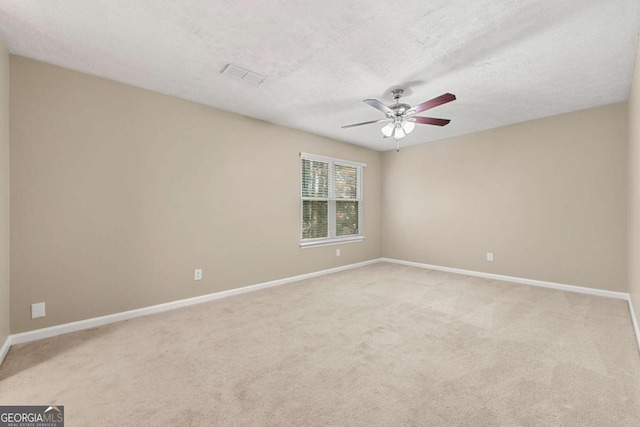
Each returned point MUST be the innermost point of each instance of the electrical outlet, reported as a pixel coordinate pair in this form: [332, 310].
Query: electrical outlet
[37, 310]
[489, 256]
[337, 252]
[197, 274]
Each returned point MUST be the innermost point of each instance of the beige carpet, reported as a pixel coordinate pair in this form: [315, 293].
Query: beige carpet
[383, 345]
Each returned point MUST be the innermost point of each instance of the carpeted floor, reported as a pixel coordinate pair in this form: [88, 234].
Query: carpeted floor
[382, 345]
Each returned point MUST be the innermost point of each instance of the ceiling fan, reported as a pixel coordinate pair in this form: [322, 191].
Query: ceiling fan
[401, 116]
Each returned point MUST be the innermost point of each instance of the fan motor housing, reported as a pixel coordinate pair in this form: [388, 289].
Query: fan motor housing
[400, 109]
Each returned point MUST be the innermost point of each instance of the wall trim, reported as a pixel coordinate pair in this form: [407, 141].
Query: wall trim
[634, 320]
[531, 282]
[5, 349]
[80, 325]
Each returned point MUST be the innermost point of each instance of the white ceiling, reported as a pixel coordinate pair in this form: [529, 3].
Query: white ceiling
[507, 61]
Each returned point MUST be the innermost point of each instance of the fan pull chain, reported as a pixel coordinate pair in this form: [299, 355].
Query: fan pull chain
[397, 144]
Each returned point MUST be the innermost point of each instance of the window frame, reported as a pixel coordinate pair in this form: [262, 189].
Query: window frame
[332, 238]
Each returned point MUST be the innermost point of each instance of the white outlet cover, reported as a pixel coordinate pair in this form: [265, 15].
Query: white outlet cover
[197, 274]
[37, 310]
[337, 252]
[489, 256]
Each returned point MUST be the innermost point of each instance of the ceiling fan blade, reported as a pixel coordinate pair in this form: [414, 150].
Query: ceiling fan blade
[379, 106]
[429, 121]
[442, 99]
[365, 123]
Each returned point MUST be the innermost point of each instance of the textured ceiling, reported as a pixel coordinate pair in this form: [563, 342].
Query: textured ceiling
[507, 61]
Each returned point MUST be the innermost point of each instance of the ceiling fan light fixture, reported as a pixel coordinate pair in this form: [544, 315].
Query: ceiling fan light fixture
[398, 131]
[408, 127]
[387, 130]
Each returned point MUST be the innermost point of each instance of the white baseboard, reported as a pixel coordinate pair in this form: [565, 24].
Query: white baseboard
[531, 282]
[5, 349]
[80, 325]
[634, 320]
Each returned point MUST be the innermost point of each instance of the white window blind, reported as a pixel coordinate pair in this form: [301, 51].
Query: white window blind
[331, 192]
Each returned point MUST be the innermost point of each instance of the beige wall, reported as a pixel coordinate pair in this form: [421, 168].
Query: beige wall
[119, 193]
[547, 197]
[4, 193]
[634, 187]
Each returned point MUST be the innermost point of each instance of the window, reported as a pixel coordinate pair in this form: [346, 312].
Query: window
[331, 191]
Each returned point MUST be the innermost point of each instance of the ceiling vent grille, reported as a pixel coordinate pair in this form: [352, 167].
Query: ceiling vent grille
[240, 73]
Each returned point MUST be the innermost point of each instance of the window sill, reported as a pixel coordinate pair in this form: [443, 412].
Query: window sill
[328, 242]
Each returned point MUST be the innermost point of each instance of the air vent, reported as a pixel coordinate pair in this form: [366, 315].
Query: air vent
[239, 73]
